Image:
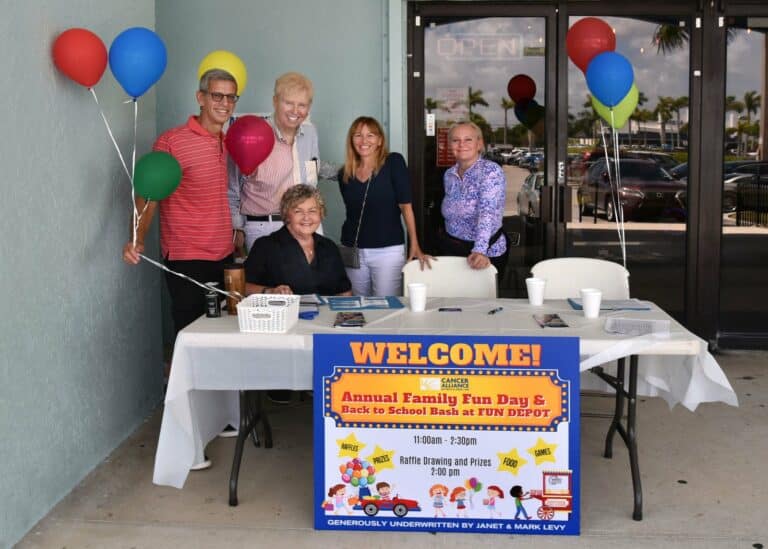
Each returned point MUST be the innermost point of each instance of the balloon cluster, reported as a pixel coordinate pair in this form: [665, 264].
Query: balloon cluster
[590, 43]
[137, 58]
[357, 473]
[473, 485]
[522, 89]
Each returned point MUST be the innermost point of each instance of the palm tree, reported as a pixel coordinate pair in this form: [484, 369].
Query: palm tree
[663, 112]
[432, 104]
[732, 105]
[644, 115]
[642, 99]
[751, 105]
[506, 104]
[475, 98]
[677, 104]
[667, 38]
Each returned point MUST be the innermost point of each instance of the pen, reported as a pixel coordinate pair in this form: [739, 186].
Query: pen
[496, 310]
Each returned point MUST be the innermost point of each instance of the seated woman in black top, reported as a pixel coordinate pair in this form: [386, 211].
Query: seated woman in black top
[294, 259]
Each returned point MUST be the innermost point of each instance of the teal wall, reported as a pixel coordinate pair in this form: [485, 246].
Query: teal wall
[342, 46]
[80, 350]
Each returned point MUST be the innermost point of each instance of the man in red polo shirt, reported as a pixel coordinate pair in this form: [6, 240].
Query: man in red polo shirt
[195, 223]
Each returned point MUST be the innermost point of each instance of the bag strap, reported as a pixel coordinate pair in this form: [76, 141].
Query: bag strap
[362, 208]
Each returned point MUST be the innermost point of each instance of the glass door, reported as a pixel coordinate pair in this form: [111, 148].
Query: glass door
[640, 209]
[744, 243]
[463, 59]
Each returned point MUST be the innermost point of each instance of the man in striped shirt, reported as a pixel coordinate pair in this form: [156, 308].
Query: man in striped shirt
[195, 223]
[254, 199]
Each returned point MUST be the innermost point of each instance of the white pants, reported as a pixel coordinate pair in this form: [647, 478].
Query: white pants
[257, 229]
[380, 271]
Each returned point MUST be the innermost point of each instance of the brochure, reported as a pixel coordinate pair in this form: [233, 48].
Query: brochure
[353, 302]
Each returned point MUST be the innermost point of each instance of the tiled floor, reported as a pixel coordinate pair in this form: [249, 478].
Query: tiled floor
[703, 478]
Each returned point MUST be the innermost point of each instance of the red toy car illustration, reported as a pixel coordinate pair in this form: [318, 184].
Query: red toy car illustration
[397, 505]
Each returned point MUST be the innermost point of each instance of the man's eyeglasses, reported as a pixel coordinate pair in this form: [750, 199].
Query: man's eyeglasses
[219, 97]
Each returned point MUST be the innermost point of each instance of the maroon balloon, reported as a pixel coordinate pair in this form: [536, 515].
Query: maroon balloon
[521, 87]
[249, 141]
[81, 55]
[587, 38]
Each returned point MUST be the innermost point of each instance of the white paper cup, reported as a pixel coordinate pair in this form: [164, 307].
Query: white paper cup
[590, 302]
[417, 296]
[535, 290]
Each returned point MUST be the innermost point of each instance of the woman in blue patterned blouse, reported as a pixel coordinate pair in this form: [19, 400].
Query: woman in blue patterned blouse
[473, 207]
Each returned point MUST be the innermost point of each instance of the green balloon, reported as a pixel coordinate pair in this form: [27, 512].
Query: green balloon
[156, 176]
[621, 112]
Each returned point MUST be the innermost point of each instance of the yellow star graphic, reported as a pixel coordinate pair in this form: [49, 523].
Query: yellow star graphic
[543, 451]
[382, 459]
[511, 461]
[350, 446]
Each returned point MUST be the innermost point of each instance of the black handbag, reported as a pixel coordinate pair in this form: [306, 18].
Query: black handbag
[350, 255]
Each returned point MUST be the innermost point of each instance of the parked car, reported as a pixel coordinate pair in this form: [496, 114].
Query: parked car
[746, 192]
[532, 161]
[646, 190]
[662, 159]
[730, 167]
[528, 196]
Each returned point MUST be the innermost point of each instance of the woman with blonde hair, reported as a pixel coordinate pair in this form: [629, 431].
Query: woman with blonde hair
[473, 207]
[376, 190]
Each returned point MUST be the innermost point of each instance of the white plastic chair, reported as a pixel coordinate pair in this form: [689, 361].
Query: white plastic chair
[451, 276]
[565, 276]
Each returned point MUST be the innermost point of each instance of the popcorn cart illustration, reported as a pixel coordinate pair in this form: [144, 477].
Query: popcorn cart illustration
[556, 494]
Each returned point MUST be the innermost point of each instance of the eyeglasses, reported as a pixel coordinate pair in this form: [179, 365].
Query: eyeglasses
[219, 97]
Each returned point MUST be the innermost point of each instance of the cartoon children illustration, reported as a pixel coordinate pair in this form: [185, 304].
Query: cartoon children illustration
[459, 496]
[384, 490]
[517, 492]
[438, 492]
[490, 502]
[338, 493]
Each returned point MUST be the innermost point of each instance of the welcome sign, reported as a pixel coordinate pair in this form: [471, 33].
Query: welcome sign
[441, 433]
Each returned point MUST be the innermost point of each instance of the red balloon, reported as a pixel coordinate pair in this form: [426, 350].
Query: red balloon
[521, 88]
[588, 37]
[249, 141]
[81, 55]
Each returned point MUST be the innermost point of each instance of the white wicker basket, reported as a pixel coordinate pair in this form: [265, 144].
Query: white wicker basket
[268, 313]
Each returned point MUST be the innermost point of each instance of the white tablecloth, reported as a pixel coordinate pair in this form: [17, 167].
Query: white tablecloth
[212, 360]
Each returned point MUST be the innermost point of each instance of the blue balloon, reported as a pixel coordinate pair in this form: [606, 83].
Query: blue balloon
[137, 58]
[609, 77]
[529, 113]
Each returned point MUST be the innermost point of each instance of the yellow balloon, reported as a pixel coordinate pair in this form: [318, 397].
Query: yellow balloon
[227, 61]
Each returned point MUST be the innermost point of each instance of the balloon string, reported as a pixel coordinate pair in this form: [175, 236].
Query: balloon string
[620, 211]
[136, 216]
[613, 185]
[234, 295]
[138, 220]
[109, 131]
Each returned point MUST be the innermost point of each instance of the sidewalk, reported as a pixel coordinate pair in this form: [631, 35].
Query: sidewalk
[703, 487]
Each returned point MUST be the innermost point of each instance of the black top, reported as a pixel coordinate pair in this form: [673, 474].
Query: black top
[278, 259]
[381, 219]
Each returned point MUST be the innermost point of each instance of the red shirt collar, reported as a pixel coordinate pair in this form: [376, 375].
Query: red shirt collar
[194, 124]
